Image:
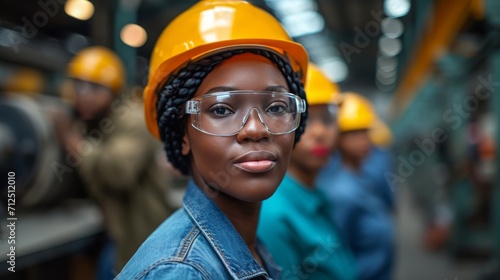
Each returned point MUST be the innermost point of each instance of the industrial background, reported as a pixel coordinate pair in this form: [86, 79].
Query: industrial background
[430, 67]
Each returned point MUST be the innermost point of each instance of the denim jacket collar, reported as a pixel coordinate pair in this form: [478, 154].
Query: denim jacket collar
[224, 238]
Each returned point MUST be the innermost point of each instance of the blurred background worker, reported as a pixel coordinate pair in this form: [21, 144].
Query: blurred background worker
[115, 155]
[294, 223]
[357, 209]
[376, 169]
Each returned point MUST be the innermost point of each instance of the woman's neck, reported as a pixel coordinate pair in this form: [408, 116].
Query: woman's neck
[351, 163]
[245, 218]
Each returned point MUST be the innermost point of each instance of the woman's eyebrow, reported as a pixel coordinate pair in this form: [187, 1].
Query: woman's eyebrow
[278, 88]
[220, 89]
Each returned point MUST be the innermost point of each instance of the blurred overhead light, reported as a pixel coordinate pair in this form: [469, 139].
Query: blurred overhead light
[335, 69]
[384, 87]
[79, 9]
[391, 27]
[396, 8]
[387, 64]
[304, 23]
[133, 35]
[389, 46]
[386, 75]
[292, 6]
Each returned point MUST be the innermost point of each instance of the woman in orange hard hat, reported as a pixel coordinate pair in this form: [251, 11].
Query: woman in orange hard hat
[361, 215]
[225, 96]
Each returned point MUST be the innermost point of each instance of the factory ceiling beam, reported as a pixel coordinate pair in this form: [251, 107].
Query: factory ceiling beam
[445, 22]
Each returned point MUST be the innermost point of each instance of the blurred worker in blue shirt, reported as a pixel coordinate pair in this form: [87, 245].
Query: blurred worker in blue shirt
[374, 167]
[363, 218]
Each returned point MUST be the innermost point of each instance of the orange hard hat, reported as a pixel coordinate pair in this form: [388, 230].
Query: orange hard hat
[27, 81]
[98, 65]
[380, 134]
[319, 89]
[355, 113]
[213, 26]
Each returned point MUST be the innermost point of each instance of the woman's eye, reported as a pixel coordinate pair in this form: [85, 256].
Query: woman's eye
[277, 108]
[220, 111]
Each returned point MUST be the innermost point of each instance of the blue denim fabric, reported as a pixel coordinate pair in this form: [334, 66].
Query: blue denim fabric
[197, 242]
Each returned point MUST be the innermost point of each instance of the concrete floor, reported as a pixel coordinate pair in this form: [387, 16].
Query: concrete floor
[413, 262]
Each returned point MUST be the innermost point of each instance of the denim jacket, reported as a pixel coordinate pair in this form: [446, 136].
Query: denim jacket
[197, 242]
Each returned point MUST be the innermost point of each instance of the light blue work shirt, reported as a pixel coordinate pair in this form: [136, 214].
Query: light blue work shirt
[375, 167]
[373, 173]
[197, 242]
[295, 227]
[364, 221]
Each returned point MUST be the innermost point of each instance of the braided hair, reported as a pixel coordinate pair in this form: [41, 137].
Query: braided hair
[181, 87]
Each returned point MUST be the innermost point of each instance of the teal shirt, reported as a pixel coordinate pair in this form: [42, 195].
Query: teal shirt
[295, 227]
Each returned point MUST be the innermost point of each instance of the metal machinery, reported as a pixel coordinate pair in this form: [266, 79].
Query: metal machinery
[453, 79]
[29, 149]
[52, 217]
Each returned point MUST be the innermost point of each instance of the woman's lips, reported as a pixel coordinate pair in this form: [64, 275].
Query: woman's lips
[256, 161]
[320, 151]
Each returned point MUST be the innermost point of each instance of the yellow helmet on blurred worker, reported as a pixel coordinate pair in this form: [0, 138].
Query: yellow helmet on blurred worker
[319, 89]
[98, 65]
[25, 81]
[380, 134]
[213, 26]
[355, 113]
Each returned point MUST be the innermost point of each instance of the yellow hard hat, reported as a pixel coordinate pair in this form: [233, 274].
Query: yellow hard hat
[380, 134]
[355, 113]
[98, 65]
[319, 89]
[213, 26]
[26, 81]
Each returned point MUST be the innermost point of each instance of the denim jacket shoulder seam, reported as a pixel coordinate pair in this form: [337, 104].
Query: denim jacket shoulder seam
[186, 243]
[180, 256]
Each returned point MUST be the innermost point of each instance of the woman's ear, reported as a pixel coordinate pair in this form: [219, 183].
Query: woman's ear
[186, 145]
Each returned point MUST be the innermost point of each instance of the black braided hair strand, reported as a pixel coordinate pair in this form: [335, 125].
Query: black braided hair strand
[181, 87]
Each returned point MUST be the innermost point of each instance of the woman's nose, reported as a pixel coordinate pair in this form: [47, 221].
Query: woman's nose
[254, 128]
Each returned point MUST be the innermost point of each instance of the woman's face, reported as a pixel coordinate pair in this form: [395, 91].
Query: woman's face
[318, 141]
[92, 100]
[250, 165]
[355, 144]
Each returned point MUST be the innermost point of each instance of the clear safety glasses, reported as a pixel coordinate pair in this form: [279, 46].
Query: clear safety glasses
[225, 113]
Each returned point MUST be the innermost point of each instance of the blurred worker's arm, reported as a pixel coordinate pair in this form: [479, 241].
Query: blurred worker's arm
[118, 162]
